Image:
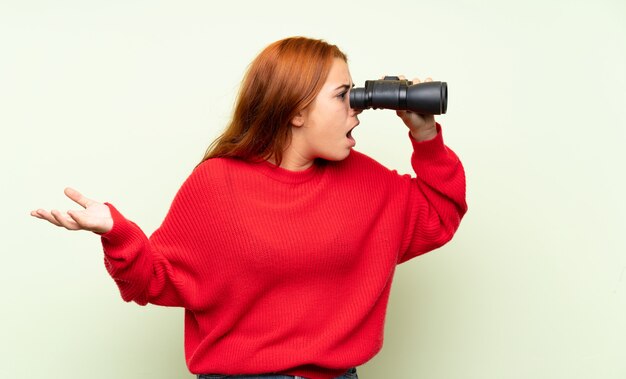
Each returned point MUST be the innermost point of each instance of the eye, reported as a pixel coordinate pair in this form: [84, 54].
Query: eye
[342, 95]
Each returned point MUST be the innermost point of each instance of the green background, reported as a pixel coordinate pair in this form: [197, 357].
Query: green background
[119, 99]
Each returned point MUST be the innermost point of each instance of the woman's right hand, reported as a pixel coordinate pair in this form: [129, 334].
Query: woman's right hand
[95, 217]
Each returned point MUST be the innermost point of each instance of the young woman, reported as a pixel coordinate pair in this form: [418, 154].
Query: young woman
[282, 243]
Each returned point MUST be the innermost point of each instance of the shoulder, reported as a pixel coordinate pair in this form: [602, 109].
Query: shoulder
[218, 167]
[359, 170]
[216, 164]
[362, 164]
[206, 181]
[365, 178]
[210, 173]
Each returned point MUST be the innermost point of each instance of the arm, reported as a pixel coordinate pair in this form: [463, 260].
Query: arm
[145, 270]
[159, 269]
[436, 198]
[437, 193]
[142, 270]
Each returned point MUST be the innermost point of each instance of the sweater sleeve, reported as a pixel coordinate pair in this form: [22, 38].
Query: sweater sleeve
[436, 201]
[153, 270]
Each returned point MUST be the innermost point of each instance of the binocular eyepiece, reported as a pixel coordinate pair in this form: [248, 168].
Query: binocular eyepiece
[393, 93]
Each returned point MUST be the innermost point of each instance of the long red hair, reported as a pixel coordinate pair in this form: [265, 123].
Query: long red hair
[281, 81]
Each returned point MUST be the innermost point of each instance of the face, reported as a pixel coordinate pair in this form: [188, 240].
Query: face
[324, 128]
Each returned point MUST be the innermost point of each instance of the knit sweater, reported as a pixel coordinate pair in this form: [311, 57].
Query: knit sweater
[283, 271]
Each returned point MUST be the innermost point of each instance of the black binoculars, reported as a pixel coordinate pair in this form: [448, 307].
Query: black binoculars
[393, 93]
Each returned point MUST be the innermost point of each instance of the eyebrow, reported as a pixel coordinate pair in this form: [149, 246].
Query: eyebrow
[345, 86]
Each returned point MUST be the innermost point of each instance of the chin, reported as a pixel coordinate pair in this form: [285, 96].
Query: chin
[338, 157]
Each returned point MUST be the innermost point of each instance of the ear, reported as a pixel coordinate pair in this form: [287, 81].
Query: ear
[298, 119]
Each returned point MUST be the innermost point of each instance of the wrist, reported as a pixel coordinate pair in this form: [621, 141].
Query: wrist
[424, 134]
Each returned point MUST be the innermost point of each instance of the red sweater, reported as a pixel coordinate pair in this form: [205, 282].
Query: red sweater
[288, 272]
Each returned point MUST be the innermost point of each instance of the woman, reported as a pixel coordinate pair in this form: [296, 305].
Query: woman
[282, 243]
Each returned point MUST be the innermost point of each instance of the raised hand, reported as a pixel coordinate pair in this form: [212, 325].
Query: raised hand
[422, 126]
[95, 217]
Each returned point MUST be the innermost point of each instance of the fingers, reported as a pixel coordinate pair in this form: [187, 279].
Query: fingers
[45, 215]
[415, 80]
[65, 221]
[402, 113]
[56, 218]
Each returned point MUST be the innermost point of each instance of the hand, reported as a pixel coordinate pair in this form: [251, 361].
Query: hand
[422, 126]
[96, 217]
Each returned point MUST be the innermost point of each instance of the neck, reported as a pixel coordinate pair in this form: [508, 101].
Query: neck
[293, 161]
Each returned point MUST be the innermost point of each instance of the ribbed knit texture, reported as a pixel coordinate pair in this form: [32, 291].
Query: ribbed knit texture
[283, 271]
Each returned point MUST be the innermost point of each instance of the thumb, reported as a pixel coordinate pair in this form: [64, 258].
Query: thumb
[78, 197]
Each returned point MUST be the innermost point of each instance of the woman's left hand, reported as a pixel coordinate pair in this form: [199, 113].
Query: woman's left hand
[422, 126]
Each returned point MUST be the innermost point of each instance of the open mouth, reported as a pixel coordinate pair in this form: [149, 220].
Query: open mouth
[349, 134]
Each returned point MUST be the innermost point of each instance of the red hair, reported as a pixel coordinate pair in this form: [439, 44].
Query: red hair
[281, 81]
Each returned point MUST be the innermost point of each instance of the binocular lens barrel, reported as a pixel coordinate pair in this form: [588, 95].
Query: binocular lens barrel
[393, 93]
